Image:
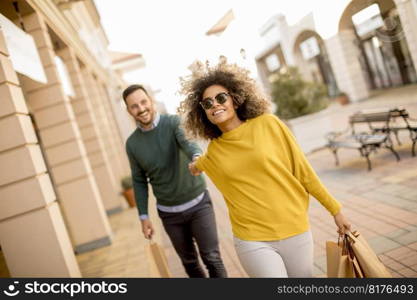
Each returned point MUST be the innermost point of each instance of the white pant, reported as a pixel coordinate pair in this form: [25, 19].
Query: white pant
[291, 257]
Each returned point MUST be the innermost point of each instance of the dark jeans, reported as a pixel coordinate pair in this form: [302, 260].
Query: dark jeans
[197, 222]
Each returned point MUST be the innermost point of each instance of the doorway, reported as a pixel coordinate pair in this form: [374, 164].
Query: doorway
[385, 54]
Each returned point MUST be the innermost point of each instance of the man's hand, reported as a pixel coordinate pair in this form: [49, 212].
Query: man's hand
[147, 229]
[342, 223]
[192, 167]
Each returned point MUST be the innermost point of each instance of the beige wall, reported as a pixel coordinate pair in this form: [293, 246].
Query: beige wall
[33, 236]
[343, 57]
[74, 181]
[118, 140]
[90, 134]
[103, 122]
[55, 191]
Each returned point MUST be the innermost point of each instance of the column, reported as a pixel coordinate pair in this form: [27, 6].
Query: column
[126, 123]
[65, 152]
[408, 16]
[103, 122]
[117, 140]
[344, 59]
[33, 236]
[96, 153]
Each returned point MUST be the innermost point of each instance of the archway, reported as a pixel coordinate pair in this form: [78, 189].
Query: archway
[311, 57]
[385, 57]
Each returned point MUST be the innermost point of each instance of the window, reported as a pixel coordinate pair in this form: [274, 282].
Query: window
[310, 48]
[367, 20]
[272, 62]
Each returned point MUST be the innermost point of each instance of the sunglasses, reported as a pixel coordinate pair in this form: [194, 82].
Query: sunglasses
[208, 103]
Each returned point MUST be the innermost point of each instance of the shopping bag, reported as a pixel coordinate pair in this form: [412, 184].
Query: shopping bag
[158, 265]
[345, 269]
[341, 263]
[333, 255]
[370, 264]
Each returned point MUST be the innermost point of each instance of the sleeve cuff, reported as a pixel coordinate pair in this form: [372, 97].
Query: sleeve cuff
[198, 164]
[143, 217]
[336, 210]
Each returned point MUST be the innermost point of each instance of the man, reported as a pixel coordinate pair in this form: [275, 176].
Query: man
[159, 152]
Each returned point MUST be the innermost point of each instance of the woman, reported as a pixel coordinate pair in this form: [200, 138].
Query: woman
[255, 162]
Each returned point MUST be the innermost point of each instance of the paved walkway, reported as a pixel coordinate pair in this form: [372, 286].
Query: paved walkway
[381, 204]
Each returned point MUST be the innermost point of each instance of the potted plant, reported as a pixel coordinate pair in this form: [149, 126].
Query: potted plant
[342, 98]
[294, 97]
[127, 186]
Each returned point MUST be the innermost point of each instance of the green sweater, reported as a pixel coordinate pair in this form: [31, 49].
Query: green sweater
[162, 156]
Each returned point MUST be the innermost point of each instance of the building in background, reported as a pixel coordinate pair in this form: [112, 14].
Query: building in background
[358, 47]
[296, 45]
[61, 135]
[123, 63]
[352, 46]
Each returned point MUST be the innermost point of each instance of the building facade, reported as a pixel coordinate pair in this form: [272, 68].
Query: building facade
[356, 46]
[61, 147]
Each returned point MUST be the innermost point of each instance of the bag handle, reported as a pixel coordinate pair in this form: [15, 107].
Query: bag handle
[346, 247]
[353, 235]
[346, 240]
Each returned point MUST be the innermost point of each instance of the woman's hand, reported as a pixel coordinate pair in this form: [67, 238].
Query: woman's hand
[193, 168]
[342, 223]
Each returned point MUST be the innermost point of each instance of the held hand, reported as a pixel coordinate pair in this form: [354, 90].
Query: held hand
[147, 229]
[342, 223]
[192, 167]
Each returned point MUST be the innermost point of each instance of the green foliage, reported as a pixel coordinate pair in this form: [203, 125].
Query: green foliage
[127, 182]
[295, 97]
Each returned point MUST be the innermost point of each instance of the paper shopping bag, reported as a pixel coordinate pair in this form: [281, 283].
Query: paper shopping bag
[345, 269]
[333, 255]
[340, 261]
[369, 262]
[158, 266]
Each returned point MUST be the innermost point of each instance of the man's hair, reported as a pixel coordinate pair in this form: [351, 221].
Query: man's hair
[132, 88]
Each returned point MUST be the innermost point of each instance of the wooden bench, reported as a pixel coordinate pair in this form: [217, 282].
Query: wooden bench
[366, 142]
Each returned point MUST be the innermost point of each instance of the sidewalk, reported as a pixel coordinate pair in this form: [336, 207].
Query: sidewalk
[381, 204]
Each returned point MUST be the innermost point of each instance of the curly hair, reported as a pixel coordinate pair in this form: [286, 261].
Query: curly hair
[246, 95]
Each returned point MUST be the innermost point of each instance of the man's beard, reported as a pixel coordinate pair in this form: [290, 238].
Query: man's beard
[152, 115]
[144, 124]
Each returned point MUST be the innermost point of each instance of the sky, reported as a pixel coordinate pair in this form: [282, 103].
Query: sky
[170, 34]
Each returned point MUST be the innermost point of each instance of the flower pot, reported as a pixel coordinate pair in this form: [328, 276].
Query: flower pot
[342, 99]
[130, 197]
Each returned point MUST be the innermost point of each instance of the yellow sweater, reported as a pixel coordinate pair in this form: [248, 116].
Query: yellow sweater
[265, 180]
